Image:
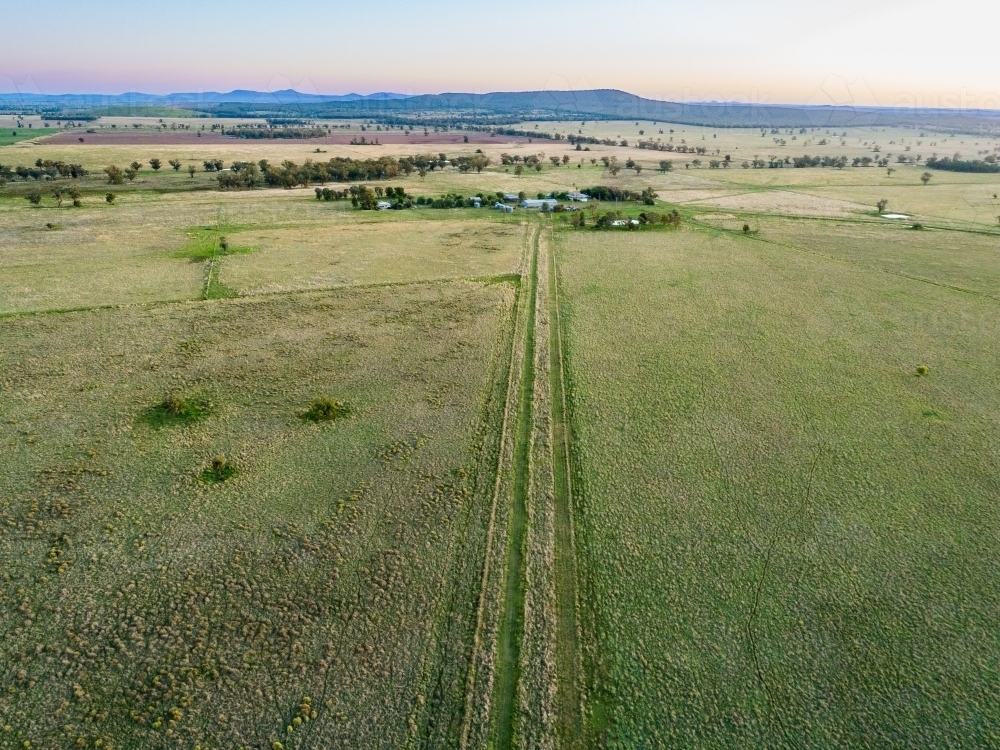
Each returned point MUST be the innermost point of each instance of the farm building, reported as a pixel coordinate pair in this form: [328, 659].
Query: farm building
[579, 197]
[512, 197]
[384, 205]
[547, 203]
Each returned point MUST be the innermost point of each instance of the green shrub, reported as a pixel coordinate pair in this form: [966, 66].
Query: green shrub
[922, 370]
[326, 410]
[220, 471]
[175, 410]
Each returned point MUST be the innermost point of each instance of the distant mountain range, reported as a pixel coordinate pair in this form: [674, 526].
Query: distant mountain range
[510, 107]
[187, 100]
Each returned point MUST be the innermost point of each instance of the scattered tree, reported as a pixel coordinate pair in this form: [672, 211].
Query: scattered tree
[746, 229]
[115, 175]
[881, 205]
[191, 170]
[34, 197]
[518, 170]
[155, 164]
[136, 166]
[926, 177]
[176, 164]
[110, 198]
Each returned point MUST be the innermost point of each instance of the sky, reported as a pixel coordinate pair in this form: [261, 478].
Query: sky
[888, 53]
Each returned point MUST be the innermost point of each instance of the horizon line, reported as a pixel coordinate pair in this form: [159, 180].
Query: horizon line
[5, 97]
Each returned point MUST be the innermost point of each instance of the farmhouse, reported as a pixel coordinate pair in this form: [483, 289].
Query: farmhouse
[579, 197]
[512, 197]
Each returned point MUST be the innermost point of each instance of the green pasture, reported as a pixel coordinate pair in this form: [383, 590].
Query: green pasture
[280, 473]
[10, 136]
[787, 531]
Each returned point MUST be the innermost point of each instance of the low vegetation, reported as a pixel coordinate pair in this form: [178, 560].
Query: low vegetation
[176, 410]
[327, 410]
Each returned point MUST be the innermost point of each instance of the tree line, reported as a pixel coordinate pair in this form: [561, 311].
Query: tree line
[681, 149]
[247, 175]
[366, 198]
[801, 162]
[603, 193]
[619, 219]
[260, 132]
[957, 164]
[52, 170]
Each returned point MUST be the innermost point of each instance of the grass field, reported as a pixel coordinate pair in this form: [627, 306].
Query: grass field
[17, 135]
[806, 526]
[148, 606]
[278, 473]
[150, 247]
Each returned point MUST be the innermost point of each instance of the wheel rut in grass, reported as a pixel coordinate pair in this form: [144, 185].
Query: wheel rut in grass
[569, 666]
[512, 618]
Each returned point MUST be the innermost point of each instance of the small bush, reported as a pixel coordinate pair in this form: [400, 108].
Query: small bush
[175, 410]
[110, 198]
[746, 229]
[918, 226]
[220, 471]
[326, 410]
[922, 370]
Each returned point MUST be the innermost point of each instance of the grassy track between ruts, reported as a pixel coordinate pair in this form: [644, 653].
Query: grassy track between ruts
[568, 663]
[480, 680]
[512, 623]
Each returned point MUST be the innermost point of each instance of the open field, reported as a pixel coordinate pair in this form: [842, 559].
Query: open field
[682, 486]
[144, 605]
[150, 247]
[17, 135]
[789, 535]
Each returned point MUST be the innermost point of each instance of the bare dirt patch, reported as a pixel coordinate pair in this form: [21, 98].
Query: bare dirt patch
[336, 139]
